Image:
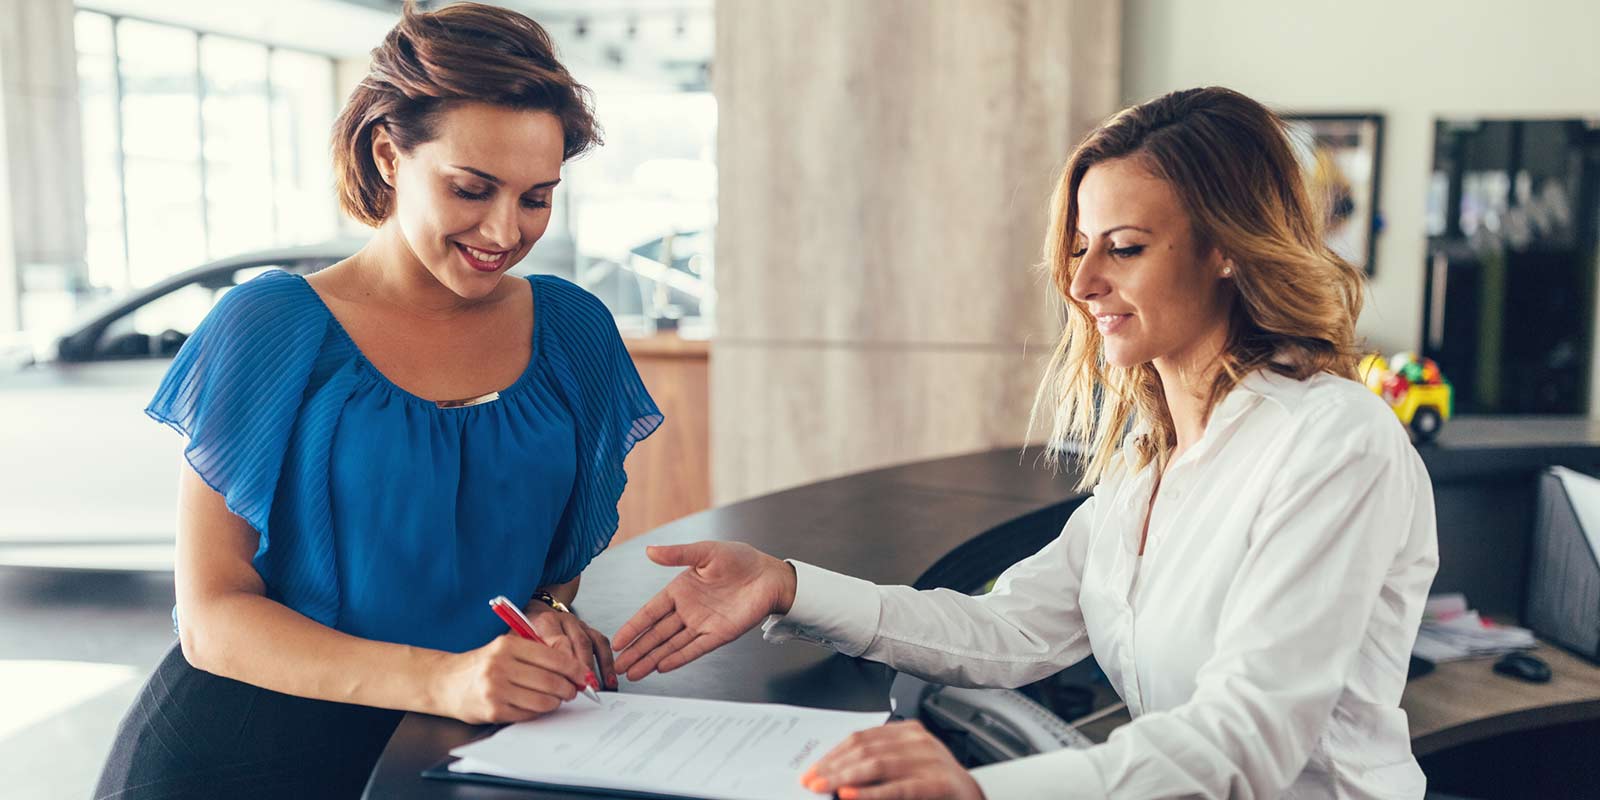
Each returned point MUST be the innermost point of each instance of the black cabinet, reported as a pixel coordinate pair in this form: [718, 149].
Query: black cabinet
[1510, 302]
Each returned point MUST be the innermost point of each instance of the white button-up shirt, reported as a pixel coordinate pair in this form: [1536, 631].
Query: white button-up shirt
[1261, 642]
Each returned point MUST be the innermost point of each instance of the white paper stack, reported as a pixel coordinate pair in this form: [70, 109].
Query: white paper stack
[1451, 631]
[668, 746]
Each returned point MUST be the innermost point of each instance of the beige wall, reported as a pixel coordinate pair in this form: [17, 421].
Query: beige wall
[885, 172]
[1411, 61]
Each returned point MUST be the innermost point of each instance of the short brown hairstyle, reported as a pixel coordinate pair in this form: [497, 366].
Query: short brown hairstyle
[434, 60]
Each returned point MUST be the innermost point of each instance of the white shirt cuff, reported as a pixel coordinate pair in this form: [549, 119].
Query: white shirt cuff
[829, 609]
[1062, 773]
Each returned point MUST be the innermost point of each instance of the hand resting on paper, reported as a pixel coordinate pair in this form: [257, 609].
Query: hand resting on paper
[897, 761]
[728, 588]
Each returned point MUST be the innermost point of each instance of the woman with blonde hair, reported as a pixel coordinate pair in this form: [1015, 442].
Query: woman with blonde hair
[1251, 567]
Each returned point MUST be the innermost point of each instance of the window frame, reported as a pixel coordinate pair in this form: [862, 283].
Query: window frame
[119, 93]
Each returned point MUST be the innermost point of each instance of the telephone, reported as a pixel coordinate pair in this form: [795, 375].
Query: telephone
[982, 726]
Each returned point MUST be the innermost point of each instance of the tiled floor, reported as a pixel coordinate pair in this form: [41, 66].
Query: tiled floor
[74, 649]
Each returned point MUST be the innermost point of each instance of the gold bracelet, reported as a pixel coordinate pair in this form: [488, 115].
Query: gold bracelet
[550, 600]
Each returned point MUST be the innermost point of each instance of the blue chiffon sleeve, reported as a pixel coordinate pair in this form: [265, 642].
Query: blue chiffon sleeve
[611, 411]
[236, 388]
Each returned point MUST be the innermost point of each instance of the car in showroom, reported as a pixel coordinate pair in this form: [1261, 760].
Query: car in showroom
[87, 481]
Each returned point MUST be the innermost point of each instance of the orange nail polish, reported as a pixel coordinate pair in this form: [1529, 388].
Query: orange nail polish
[805, 780]
[848, 793]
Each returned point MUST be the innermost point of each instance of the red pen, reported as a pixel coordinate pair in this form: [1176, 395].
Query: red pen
[519, 624]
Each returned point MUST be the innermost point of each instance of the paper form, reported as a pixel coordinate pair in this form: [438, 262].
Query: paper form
[668, 745]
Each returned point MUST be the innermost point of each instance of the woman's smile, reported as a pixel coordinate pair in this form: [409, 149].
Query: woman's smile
[1109, 324]
[482, 260]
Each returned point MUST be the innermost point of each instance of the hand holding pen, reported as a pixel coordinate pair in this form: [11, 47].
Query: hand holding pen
[522, 626]
[510, 679]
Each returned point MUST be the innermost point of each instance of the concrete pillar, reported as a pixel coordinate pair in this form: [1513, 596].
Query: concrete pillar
[41, 180]
[885, 171]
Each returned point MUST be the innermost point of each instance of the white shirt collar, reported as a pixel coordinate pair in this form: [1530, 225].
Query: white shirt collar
[1262, 384]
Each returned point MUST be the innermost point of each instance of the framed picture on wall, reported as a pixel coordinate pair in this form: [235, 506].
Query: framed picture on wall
[1340, 154]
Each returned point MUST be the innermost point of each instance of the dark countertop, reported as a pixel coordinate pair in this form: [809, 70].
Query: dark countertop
[890, 526]
[1474, 448]
[946, 522]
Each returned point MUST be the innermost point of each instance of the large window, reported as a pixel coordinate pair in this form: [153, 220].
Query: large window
[102, 161]
[161, 149]
[237, 119]
[197, 146]
[303, 104]
[643, 210]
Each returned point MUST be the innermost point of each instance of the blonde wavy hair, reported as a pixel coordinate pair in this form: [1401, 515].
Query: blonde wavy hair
[1230, 163]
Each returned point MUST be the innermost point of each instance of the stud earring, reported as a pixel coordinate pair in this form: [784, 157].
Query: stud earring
[1227, 272]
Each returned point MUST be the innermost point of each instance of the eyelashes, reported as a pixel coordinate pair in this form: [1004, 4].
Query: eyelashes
[466, 195]
[1116, 252]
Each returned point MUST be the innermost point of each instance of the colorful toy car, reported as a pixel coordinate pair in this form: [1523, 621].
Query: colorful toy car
[1414, 388]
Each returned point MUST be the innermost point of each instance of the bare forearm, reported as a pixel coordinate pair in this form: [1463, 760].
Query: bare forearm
[251, 638]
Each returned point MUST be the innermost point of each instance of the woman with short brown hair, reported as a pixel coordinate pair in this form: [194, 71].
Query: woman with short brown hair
[377, 450]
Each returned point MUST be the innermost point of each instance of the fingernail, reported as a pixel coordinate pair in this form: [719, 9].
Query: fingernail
[806, 779]
[848, 793]
[818, 784]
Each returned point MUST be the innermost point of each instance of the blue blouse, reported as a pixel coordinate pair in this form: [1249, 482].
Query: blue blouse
[380, 513]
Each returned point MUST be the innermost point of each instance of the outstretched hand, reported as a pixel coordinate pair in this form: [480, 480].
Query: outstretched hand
[728, 588]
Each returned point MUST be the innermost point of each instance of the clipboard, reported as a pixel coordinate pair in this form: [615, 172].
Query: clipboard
[441, 772]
